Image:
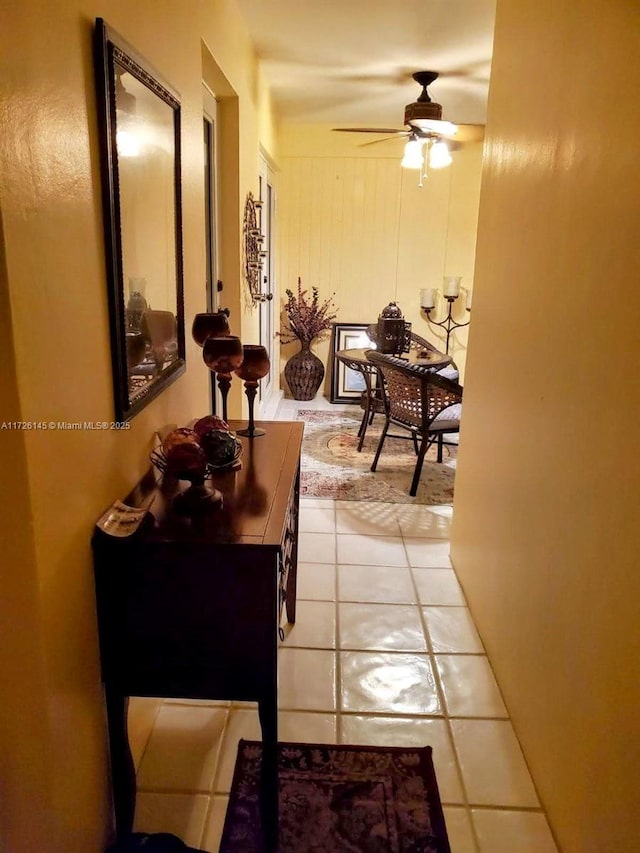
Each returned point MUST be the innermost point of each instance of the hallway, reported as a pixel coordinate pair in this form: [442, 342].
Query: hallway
[384, 651]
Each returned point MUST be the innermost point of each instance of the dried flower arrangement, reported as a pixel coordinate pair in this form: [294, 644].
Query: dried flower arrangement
[307, 319]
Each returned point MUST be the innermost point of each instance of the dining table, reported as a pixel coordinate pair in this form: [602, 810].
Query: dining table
[356, 359]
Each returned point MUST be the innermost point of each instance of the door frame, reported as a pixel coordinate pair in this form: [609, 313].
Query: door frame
[212, 235]
[269, 391]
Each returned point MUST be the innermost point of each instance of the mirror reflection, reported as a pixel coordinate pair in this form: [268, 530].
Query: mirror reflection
[141, 169]
[146, 155]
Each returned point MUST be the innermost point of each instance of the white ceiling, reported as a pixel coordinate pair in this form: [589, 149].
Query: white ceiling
[350, 61]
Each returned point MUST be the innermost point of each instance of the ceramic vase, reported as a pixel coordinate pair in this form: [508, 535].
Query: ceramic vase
[304, 373]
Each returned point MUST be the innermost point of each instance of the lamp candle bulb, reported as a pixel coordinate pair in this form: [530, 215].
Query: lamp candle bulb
[452, 286]
[468, 302]
[427, 298]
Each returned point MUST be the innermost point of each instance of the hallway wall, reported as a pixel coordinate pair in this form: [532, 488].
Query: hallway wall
[352, 222]
[545, 536]
[54, 348]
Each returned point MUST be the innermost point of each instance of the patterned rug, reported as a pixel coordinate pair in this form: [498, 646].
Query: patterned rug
[333, 468]
[358, 799]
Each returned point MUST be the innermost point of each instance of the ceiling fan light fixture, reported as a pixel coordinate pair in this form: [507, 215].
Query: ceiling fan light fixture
[128, 143]
[442, 128]
[439, 155]
[418, 111]
[413, 158]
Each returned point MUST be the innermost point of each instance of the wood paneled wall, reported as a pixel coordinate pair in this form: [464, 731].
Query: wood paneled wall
[355, 224]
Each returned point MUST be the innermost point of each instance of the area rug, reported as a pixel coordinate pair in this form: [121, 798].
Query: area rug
[332, 467]
[359, 799]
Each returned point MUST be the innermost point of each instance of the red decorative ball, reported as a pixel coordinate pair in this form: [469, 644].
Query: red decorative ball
[186, 461]
[179, 436]
[209, 422]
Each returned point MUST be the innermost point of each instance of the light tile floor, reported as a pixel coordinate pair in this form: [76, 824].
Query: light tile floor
[384, 651]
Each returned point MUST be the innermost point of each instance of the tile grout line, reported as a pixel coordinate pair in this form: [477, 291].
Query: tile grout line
[338, 663]
[433, 657]
[441, 697]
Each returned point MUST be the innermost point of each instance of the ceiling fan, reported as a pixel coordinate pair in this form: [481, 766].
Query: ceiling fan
[427, 133]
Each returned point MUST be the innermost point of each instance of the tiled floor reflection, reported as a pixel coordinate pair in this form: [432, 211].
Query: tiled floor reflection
[384, 651]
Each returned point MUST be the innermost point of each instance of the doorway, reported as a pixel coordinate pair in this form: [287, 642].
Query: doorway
[212, 283]
[267, 285]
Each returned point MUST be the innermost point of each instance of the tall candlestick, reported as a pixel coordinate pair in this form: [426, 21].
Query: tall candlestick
[210, 324]
[223, 355]
[254, 367]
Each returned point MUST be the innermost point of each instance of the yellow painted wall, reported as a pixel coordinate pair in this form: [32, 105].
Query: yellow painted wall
[354, 223]
[56, 366]
[26, 752]
[545, 531]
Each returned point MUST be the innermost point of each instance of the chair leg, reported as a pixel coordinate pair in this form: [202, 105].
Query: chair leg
[414, 436]
[380, 443]
[424, 444]
[361, 432]
[440, 446]
[363, 425]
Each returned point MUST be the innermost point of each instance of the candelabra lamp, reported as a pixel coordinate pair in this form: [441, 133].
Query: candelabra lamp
[450, 291]
[223, 355]
[255, 365]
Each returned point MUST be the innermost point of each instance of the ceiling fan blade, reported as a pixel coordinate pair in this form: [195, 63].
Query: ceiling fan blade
[368, 130]
[394, 138]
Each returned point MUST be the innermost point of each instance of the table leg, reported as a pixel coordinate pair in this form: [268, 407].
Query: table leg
[364, 422]
[367, 409]
[292, 577]
[123, 774]
[292, 583]
[268, 711]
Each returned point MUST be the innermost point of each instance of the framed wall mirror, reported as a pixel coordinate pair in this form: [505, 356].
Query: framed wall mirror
[139, 115]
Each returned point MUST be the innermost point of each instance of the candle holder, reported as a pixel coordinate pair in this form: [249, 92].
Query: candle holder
[223, 355]
[254, 367]
[451, 291]
[210, 324]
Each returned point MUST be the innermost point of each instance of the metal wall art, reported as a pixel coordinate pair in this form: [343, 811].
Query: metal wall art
[253, 248]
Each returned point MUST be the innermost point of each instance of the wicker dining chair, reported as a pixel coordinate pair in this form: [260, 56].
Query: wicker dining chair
[425, 403]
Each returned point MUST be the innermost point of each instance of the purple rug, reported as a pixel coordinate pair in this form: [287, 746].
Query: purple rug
[332, 467]
[359, 799]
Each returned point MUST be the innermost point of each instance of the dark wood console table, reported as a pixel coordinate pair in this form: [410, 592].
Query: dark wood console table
[190, 607]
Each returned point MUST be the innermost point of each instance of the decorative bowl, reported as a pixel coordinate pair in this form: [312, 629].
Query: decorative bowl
[159, 459]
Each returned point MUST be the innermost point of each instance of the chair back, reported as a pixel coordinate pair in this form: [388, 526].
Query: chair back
[418, 343]
[414, 397]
